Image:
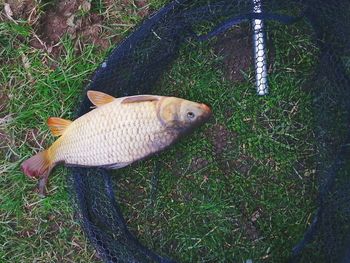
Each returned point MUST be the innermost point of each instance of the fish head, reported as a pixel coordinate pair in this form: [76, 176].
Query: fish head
[183, 115]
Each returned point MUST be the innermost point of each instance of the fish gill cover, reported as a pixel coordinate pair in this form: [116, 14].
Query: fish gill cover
[150, 58]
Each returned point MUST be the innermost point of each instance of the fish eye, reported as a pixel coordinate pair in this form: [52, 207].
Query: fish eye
[190, 115]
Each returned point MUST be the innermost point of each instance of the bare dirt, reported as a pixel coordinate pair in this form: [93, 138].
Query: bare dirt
[225, 142]
[222, 138]
[226, 151]
[236, 49]
[70, 17]
[143, 7]
[22, 9]
[225, 147]
[198, 163]
[249, 223]
[73, 17]
[251, 230]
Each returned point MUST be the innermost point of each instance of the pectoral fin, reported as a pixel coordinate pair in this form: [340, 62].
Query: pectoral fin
[116, 165]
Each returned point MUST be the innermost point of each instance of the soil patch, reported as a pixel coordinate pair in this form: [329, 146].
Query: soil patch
[251, 231]
[226, 150]
[198, 163]
[222, 138]
[236, 50]
[224, 146]
[143, 8]
[249, 223]
[74, 18]
[21, 9]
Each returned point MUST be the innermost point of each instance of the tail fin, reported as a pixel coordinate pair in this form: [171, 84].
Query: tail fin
[38, 165]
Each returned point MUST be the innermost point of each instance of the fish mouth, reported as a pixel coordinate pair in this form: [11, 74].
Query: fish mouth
[207, 113]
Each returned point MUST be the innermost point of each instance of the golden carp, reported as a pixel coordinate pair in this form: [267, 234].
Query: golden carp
[118, 132]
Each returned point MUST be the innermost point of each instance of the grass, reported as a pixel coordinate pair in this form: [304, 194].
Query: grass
[33, 228]
[260, 204]
[249, 196]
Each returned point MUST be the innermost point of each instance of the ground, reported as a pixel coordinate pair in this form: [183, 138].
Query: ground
[242, 186]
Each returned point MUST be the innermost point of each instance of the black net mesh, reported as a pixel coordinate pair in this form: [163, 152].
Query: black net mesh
[150, 61]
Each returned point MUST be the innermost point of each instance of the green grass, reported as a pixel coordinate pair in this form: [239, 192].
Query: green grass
[33, 228]
[211, 213]
[253, 199]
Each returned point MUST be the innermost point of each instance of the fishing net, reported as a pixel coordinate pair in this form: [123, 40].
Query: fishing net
[265, 140]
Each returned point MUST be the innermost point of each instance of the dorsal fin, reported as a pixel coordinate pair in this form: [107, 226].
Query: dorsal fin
[99, 98]
[57, 125]
[140, 98]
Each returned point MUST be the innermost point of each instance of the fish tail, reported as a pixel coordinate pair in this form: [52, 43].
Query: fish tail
[38, 166]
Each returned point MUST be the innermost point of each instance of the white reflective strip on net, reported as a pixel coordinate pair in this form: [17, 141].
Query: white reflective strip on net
[259, 52]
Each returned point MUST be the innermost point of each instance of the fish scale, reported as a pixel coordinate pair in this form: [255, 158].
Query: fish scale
[118, 132]
[121, 139]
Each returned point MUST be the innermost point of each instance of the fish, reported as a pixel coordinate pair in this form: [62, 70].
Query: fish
[116, 133]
